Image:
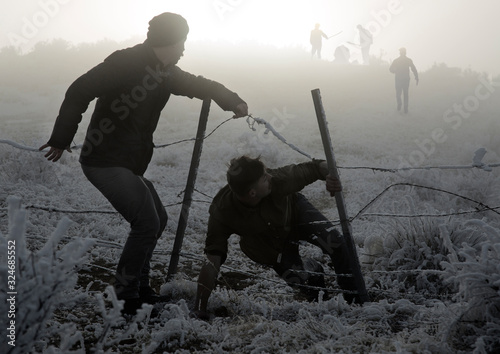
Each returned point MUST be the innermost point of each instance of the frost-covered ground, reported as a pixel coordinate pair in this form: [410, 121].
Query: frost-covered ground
[431, 259]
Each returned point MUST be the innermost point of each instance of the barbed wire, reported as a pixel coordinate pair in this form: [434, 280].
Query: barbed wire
[279, 282]
[481, 206]
[484, 207]
[194, 139]
[252, 121]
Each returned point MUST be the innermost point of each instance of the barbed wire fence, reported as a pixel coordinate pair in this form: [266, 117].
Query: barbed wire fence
[479, 207]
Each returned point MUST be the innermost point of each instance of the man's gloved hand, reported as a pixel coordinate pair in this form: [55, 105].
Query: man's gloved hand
[333, 185]
[241, 110]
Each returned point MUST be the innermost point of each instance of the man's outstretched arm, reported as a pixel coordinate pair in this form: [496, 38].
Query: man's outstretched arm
[414, 70]
[206, 283]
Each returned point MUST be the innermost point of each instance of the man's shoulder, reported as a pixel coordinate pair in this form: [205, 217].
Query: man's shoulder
[223, 200]
[130, 55]
[223, 209]
[400, 61]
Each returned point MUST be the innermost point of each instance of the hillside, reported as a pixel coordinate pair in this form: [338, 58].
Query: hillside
[428, 247]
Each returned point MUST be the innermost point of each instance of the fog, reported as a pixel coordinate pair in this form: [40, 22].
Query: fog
[425, 298]
[418, 304]
[456, 32]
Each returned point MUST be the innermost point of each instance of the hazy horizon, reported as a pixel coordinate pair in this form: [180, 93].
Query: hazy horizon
[454, 32]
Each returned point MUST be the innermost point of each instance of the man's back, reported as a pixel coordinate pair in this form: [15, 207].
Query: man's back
[316, 35]
[401, 67]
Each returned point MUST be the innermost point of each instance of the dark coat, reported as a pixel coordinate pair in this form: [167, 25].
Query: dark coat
[401, 68]
[132, 87]
[264, 229]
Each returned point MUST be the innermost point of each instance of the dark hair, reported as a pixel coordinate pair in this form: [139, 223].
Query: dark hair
[243, 173]
[167, 29]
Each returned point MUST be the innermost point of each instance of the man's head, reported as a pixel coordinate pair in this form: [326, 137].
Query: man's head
[247, 178]
[166, 34]
[167, 29]
[402, 51]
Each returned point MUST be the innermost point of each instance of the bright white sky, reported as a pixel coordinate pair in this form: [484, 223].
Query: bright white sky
[457, 32]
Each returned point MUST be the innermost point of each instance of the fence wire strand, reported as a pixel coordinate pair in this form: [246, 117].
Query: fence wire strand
[252, 121]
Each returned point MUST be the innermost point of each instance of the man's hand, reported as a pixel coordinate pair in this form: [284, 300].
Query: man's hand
[54, 154]
[241, 110]
[206, 283]
[416, 79]
[333, 185]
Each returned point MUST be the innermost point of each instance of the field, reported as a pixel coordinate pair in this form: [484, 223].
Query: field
[425, 221]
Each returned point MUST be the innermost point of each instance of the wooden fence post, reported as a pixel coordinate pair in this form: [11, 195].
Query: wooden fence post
[339, 198]
[188, 192]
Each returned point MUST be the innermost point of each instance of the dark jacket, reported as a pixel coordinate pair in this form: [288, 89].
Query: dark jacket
[132, 87]
[401, 68]
[315, 37]
[265, 229]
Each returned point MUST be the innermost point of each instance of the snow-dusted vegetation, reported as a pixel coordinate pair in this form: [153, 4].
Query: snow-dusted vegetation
[428, 239]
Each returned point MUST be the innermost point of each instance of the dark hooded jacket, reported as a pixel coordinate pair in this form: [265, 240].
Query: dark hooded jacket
[132, 87]
[265, 229]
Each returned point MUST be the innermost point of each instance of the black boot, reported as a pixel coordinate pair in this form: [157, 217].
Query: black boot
[149, 296]
[131, 306]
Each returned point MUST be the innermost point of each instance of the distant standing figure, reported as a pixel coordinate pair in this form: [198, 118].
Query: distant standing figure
[401, 68]
[316, 40]
[365, 41]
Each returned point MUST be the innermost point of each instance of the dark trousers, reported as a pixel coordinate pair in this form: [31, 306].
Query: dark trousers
[316, 49]
[135, 198]
[402, 86]
[312, 226]
[365, 52]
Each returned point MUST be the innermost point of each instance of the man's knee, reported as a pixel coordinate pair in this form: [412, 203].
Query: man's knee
[147, 225]
[330, 240]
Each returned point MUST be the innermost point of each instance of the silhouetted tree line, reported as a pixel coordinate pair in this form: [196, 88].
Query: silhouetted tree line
[60, 62]
[52, 62]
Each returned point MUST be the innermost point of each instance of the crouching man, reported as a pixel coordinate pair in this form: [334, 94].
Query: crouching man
[264, 208]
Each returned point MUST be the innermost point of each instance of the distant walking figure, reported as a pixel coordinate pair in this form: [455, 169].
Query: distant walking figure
[365, 41]
[401, 68]
[316, 40]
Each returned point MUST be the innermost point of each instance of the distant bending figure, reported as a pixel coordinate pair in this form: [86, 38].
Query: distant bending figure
[316, 40]
[342, 55]
[401, 68]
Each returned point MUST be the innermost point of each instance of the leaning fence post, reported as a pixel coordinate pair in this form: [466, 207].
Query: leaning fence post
[188, 192]
[339, 198]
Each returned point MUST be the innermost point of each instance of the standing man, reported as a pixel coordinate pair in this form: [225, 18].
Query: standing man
[401, 68]
[264, 208]
[365, 41]
[316, 40]
[132, 86]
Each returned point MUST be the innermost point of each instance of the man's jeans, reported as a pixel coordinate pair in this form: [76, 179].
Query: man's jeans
[312, 226]
[135, 198]
[402, 87]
